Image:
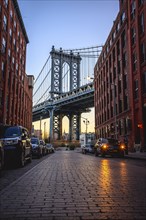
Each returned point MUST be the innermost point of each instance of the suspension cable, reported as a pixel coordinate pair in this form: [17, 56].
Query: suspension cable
[42, 83]
[42, 70]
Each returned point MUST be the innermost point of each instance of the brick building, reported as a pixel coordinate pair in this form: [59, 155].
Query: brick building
[120, 77]
[15, 85]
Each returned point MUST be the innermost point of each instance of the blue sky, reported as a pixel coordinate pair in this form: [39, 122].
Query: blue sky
[68, 24]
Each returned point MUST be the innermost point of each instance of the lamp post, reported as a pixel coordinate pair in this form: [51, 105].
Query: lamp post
[86, 123]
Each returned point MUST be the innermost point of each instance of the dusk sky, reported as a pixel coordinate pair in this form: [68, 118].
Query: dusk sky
[68, 24]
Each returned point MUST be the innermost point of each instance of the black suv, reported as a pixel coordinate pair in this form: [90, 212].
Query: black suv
[17, 145]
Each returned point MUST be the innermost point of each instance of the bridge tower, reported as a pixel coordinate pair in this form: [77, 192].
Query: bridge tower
[73, 61]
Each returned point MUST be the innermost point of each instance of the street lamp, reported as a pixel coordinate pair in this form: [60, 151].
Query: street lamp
[86, 123]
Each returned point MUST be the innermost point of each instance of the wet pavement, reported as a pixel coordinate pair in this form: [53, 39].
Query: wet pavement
[69, 185]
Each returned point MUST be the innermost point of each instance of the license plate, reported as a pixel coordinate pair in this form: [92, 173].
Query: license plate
[115, 151]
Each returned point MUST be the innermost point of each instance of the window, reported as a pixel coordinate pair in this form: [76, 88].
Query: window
[122, 17]
[125, 102]
[143, 53]
[119, 67]
[6, 3]
[136, 89]
[140, 2]
[13, 61]
[123, 38]
[15, 24]
[3, 45]
[114, 72]
[125, 81]
[110, 61]
[133, 7]
[5, 23]
[17, 69]
[119, 87]
[10, 32]
[134, 62]
[118, 48]
[11, 14]
[114, 54]
[120, 106]
[9, 54]
[141, 23]
[133, 35]
[124, 60]
[3, 69]
[144, 82]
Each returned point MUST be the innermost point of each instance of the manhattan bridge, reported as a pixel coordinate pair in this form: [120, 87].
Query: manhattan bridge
[64, 87]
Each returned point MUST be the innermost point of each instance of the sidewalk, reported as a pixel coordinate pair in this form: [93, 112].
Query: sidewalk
[137, 155]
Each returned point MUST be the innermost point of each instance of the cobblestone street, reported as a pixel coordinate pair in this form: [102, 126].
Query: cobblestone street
[68, 185]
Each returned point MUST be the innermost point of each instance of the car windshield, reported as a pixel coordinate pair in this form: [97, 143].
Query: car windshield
[89, 145]
[113, 141]
[9, 132]
[34, 141]
[49, 145]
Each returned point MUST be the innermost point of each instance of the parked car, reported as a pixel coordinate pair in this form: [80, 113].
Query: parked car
[37, 148]
[50, 148]
[44, 149]
[88, 148]
[16, 143]
[109, 146]
[1, 155]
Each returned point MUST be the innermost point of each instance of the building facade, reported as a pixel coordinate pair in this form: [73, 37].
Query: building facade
[15, 85]
[120, 78]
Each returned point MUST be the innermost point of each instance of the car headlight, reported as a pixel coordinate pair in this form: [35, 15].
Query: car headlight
[122, 146]
[104, 146]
